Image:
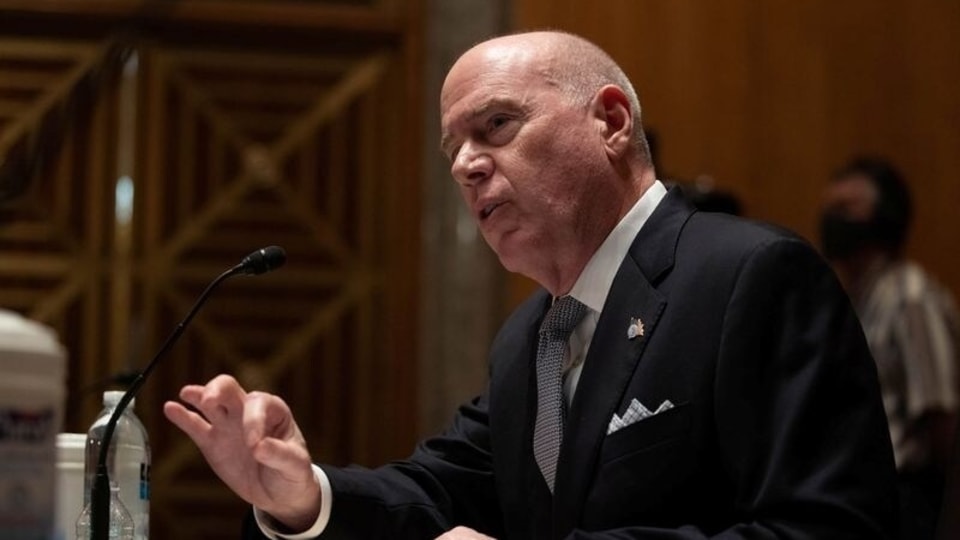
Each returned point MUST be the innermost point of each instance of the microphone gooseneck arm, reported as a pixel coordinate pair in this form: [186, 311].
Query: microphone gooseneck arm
[258, 262]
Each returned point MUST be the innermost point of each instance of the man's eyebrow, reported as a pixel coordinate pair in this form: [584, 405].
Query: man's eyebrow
[480, 110]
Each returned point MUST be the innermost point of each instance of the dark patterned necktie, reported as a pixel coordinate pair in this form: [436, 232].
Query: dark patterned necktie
[561, 319]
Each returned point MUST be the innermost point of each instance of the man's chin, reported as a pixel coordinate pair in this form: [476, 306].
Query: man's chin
[515, 260]
[514, 253]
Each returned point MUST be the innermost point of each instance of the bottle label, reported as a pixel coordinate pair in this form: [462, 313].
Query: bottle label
[144, 482]
[27, 470]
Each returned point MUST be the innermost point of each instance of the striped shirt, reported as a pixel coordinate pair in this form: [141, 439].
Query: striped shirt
[913, 330]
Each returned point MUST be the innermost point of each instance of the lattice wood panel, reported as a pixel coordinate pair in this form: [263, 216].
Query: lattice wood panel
[234, 149]
[248, 150]
[55, 240]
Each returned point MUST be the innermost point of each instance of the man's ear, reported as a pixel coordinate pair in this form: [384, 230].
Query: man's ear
[612, 111]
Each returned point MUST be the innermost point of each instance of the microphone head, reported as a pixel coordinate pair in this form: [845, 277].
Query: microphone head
[263, 260]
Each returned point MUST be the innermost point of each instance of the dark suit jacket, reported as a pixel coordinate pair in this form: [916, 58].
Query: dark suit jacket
[777, 431]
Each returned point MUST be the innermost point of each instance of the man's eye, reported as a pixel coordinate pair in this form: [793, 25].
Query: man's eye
[497, 121]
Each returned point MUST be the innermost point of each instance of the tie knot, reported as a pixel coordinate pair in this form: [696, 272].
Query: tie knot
[563, 316]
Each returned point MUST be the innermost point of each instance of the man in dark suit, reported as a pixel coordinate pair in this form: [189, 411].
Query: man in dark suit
[681, 375]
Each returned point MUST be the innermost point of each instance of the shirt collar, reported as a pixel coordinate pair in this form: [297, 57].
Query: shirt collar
[594, 282]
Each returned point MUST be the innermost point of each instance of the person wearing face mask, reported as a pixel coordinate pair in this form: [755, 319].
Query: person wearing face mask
[910, 322]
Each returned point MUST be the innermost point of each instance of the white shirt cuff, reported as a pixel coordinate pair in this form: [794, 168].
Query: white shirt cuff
[268, 525]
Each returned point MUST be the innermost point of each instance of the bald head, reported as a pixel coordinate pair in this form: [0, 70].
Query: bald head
[573, 65]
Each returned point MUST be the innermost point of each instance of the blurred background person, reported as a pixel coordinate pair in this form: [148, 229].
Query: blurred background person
[911, 324]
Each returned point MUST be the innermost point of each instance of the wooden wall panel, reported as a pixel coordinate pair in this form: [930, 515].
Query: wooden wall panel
[240, 156]
[769, 97]
[55, 241]
[236, 136]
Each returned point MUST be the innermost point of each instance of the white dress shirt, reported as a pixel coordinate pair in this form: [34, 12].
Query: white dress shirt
[593, 285]
[590, 289]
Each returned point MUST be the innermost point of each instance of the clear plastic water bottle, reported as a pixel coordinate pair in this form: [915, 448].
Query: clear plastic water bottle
[121, 523]
[128, 462]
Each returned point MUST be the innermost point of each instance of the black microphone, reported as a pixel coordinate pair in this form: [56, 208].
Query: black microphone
[263, 260]
[258, 262]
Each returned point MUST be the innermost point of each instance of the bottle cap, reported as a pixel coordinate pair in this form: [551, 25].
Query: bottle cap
[112, 397]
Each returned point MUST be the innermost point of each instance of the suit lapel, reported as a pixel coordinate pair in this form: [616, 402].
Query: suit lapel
[613, 356]
[608, 368]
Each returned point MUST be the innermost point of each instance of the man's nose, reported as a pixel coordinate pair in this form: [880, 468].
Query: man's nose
[471, 166]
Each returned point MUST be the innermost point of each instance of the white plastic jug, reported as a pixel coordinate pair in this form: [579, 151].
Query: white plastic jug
[32, 393]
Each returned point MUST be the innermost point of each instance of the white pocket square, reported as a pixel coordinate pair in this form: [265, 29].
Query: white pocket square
[635, 412]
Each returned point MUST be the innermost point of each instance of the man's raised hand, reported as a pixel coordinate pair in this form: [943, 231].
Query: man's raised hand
[253, 444]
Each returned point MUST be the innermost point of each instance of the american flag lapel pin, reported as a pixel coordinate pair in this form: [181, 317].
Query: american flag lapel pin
[635, 328]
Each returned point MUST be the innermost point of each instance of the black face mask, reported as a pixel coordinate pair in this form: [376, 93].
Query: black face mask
[841, 237]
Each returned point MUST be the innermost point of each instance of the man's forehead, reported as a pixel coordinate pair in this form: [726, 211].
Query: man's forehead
[856, 185]
[855, 194]
[474, 81]
[504, 49]
[491, 59]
